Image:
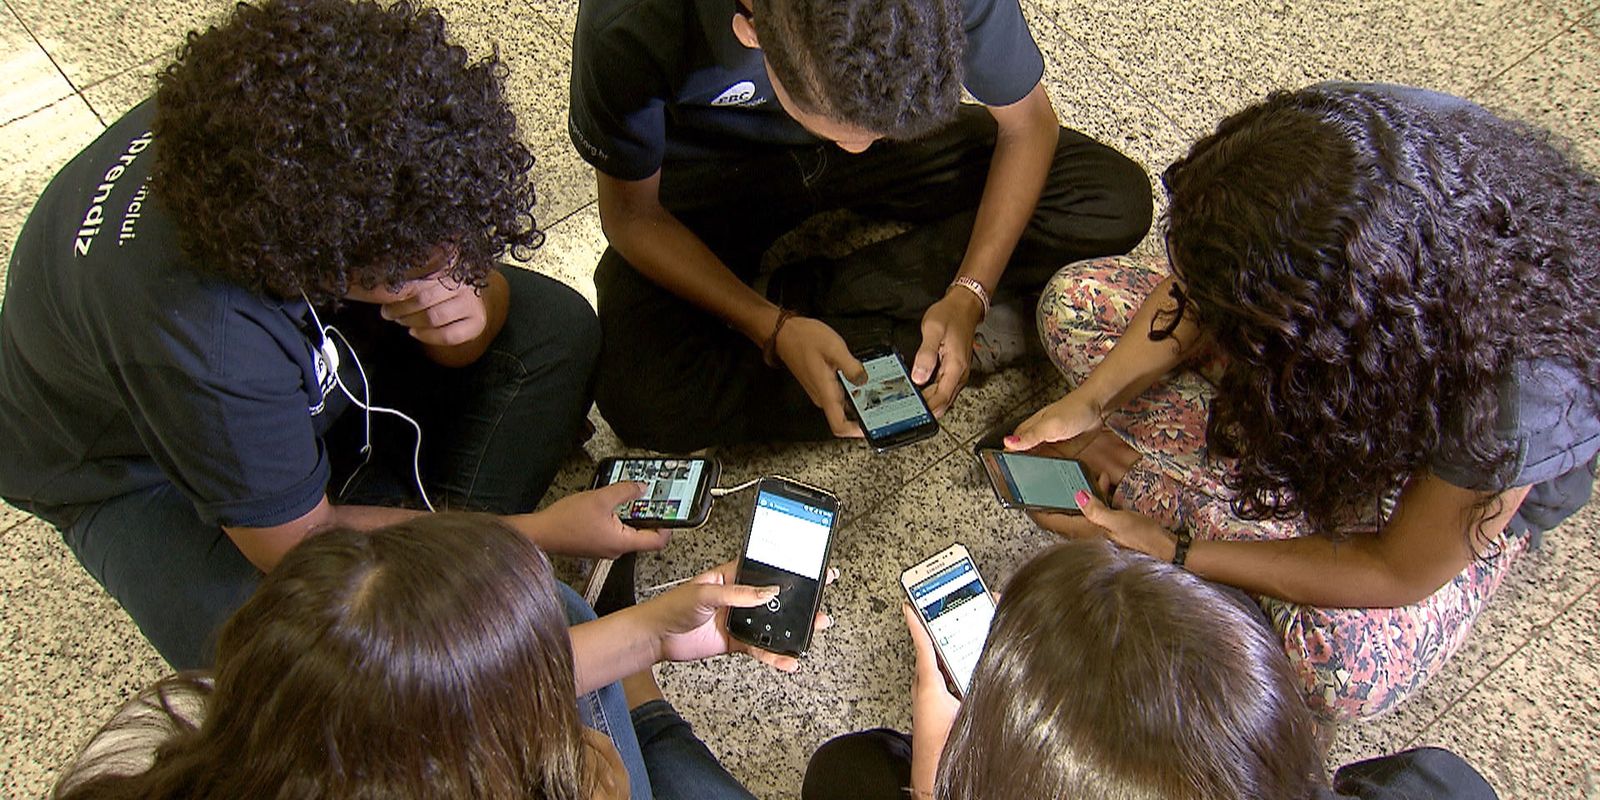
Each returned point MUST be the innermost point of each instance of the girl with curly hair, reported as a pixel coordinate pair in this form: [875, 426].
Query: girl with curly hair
[305, 219]
[1386, 298]
[427, 659]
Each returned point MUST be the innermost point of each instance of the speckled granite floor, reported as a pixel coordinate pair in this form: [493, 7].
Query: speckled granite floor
[1519, 701]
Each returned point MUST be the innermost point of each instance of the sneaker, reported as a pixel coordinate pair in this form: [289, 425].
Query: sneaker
[1005, 337]
[615, 585]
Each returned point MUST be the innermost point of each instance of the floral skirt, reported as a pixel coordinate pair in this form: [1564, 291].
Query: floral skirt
[1353, 662]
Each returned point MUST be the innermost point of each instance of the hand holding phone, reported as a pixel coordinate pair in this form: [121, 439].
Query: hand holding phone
[787, 545]
[586, 525]
[1034, 482]
[692, 618]
[677, 491]
[815, 354]
[888, 404]
[953, 604]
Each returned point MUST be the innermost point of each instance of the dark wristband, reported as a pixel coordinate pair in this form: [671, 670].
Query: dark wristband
[769, 348]
[1181, 554]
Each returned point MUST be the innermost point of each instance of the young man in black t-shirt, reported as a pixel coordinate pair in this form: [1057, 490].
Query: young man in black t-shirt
[715, 126]
[304, 219]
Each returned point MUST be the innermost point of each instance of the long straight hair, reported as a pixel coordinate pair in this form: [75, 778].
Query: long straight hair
[1111, 676]
[429, 659]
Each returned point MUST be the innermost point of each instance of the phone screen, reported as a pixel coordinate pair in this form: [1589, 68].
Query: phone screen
[1038, 481]
[958, 611]
[673, 485]
[887, 403]
[788, 548]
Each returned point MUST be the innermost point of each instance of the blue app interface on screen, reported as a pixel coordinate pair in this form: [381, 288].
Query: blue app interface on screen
[958, 612]
[887, 402]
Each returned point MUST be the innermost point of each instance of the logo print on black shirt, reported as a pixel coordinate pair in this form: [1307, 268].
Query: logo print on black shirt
[736, 95]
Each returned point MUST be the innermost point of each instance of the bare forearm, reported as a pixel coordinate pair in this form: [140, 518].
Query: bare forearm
[664, 250]
[1308, 570]
[1136, 361]
[613, 647]
[1024, 149]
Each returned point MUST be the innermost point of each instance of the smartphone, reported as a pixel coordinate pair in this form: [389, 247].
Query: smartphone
[790, 538]
[889, 406]
[1035, 482]
[678, 493]
[956, 608]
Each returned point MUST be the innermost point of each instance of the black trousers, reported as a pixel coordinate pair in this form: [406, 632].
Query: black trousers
[674, 378]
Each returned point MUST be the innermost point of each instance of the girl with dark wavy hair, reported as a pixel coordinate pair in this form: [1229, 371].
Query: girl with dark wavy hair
[428, 659]
[1387, 299]
[304, 221]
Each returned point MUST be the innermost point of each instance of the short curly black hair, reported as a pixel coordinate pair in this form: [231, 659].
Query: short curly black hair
[892, 67]
[1373, 268]
[308, 145]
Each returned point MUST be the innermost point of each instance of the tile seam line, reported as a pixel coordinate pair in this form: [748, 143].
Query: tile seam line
[1121, 78]
[1571, 27]
[1534, 635]
[874, 507]
[53, 63]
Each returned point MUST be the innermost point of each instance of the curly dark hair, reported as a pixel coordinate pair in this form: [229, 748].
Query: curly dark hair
[892, 67]
[306, 144]
[1373, 268]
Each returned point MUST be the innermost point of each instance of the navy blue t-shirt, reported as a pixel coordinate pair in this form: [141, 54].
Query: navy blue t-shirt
[123, 367]
[663, 79]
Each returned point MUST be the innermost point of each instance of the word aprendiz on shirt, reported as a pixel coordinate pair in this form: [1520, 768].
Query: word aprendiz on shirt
[94, 218]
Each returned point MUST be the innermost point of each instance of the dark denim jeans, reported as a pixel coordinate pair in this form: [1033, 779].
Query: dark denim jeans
[662, 754]
[675, 378]
[494, 434]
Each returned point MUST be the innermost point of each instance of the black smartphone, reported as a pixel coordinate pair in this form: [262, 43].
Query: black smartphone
[888, 405]
[790, 538]
[1027, 481]
[678, 493]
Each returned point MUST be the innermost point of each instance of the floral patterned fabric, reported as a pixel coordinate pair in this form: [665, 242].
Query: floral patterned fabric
[1353, 662]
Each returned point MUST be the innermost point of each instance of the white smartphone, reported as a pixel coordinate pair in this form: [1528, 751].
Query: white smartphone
[955, 607]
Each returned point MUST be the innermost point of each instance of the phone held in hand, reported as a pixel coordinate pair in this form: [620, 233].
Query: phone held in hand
[1034, 482]
[888, 405]
[788, 544]
[677, 493]
[955, 607]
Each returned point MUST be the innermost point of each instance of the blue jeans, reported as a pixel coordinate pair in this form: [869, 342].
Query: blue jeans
[494, 435]
[662, 754]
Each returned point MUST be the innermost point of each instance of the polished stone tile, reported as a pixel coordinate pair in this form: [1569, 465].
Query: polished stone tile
[118, 94]
[32, 150]
[564, 182]
[1558, 88]
[537, 81]
[858, 673]
[94, 41]
[1093, 97]
[570, 251]
[1198, 61]
[68, 657]
[561, 16]
[31, 81]
[1531, 727]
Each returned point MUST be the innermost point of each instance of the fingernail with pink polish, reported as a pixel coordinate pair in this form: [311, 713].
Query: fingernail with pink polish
[1082, 497]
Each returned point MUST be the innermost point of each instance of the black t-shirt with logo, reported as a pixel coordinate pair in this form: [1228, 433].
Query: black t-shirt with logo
[123, 367]
[654, 80]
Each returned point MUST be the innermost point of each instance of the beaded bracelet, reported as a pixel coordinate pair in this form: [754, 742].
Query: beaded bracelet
[972, 285]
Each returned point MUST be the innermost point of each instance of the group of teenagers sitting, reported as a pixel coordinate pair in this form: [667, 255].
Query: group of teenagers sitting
[262, 368]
